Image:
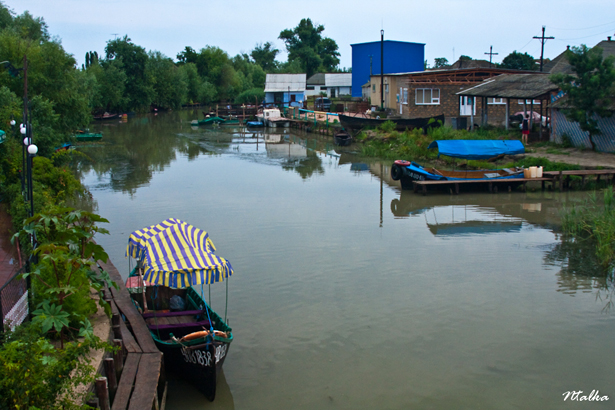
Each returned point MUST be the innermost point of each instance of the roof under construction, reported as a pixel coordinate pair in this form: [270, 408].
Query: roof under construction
[522, 86]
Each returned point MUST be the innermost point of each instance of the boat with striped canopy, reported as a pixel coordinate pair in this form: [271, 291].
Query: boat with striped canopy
[172, 258]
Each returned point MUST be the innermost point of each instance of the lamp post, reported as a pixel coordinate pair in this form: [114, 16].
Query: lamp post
[32, 150]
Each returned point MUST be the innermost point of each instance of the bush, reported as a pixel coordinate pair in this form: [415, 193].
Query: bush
[250, 96]
[36, 375]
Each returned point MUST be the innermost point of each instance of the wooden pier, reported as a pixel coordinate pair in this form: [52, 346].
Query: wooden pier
[136, 381]
[562, 178]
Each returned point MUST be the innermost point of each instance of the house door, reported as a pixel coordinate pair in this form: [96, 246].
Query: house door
[465, 106]
[333, 93]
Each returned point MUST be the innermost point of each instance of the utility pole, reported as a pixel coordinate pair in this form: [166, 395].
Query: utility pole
[491, 54]
[542, 39]
[381, 70]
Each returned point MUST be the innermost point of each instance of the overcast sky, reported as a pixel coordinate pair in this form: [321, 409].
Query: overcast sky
[448, 28]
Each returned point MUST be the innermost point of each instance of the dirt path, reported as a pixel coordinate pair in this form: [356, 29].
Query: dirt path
[585, 158]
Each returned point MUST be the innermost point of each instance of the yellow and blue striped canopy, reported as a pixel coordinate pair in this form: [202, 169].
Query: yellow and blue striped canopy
[177, 255]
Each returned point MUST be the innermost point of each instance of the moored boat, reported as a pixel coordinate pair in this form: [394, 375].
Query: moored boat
[174, 256]
[408, 171]
[88, 136]
[106, 116]
[342, 138]
[401, 124]
[272, 118]
[208, 121]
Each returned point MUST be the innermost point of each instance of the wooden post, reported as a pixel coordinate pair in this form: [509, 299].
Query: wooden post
[216, 110]
[111, 379]
[118, 357]
[102, 393]
[561, 178]
[507, 112]
[117, 332]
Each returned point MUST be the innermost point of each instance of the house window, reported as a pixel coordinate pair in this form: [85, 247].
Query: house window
[427, 96]
[528, 102]
[386, 88]
[373, 88]
[405, 96]
[495, 101]
[309, 87]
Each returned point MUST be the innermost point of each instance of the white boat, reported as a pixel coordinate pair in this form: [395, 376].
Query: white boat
[272, 118]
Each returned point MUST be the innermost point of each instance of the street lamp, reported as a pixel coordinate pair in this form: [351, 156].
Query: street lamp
[32, 150]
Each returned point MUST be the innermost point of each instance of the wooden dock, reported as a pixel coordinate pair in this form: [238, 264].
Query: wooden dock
[141, 383]
[492, 184]
[561, 178]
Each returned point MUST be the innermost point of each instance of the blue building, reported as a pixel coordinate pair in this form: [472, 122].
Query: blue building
[285, 90]
[399, 57]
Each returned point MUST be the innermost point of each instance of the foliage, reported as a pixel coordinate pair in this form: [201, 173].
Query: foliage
[252, 96]
[306, 45]
[193, 82]
[594, 222]
[388, 126]
[264, 55]
[590, 90]
[36, 375]
[170, 87]
[440, 62]
[139, 90]
[66, 269]
[518, 61]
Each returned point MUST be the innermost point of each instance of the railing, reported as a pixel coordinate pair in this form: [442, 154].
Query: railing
[14, 301]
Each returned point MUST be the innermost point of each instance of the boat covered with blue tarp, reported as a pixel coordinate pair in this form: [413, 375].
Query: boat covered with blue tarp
[477, 149]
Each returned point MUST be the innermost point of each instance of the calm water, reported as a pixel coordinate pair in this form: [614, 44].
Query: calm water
[350, 294]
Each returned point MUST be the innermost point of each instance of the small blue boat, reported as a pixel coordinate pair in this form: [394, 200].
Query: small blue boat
[255, 124]
[407, 172]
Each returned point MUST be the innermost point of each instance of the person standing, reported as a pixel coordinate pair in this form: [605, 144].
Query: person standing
[525, 129]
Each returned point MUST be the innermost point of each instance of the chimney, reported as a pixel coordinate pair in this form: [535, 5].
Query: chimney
[567, 48]
[609, 38]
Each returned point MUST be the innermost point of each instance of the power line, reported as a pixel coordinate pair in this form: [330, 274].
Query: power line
[579, 29]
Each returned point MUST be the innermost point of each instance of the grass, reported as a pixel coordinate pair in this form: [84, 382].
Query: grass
[594, 222]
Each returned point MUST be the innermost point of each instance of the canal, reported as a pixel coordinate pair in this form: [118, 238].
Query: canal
[350, 294]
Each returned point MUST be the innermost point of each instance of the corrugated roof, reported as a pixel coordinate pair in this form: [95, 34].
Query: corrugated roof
[316, 79]
[338, 80]
[523, 86]
[284, 83]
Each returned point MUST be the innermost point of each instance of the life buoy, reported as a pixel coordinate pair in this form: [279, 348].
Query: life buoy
[195, 335]
[203, 333]
[397, 172]
[402, 162]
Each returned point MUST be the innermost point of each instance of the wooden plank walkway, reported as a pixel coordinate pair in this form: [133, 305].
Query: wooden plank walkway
[492, 183]
[563, 177]
[142, 380]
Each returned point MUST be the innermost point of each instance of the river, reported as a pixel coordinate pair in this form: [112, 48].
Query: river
[351, 294]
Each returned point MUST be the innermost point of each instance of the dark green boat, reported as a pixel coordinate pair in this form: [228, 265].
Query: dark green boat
[88, 136]
[208, 121]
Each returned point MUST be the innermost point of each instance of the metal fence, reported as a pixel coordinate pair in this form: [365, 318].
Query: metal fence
[14, 301]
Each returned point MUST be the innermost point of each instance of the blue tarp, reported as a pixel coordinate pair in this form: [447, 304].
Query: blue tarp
[477, 149]
[2, 136]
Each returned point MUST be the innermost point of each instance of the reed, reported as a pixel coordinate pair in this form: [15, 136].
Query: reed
[594, 222]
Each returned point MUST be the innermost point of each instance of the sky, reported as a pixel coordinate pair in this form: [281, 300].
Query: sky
[448, 28]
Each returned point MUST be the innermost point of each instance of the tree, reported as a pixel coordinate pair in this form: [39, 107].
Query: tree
[139, 91]
[264, 55]
[440, 62]
[518, 61]
[306, 45]
[170, 88]
[589, 90]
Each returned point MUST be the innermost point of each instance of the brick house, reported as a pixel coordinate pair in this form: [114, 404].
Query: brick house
[434, 92]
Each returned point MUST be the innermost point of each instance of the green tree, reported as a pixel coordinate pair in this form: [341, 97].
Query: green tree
[440, 62]
[589, 90]
[139, 92]
[264, 55]
[306, 45]
[169, 86]
[518, 61]
[192, 79]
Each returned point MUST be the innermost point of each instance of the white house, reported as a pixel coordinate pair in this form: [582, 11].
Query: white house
[334, 84]
[285, 89]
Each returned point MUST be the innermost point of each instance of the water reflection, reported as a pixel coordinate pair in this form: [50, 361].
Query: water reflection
[480, 212]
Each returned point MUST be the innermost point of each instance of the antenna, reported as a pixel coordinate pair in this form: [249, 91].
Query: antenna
[491, 54]
[115, 34]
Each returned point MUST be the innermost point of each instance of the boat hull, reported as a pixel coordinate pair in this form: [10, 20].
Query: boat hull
[198, 363]
[342, 139]
[408, 174]
[401, 124]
